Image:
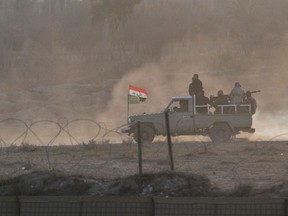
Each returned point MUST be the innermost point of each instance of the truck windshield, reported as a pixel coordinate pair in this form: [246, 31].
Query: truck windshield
[178, 106]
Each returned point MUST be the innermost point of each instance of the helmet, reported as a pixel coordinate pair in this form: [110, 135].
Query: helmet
[220, 93]
[237, 84]
[195, 76]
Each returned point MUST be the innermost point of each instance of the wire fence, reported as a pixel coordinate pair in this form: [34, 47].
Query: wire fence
[89, 148]
[142, 206]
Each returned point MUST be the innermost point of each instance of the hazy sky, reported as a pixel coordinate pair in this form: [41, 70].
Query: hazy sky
[157, 45]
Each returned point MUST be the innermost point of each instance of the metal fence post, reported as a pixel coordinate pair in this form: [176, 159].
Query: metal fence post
[171, 161]
[18, 210]
[286, 207]
[139, 148]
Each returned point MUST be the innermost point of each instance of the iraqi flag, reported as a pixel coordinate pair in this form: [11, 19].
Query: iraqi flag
[136, 95]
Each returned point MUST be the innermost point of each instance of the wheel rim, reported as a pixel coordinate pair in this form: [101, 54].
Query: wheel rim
[221, 134]
[144, 135]
[147, 135]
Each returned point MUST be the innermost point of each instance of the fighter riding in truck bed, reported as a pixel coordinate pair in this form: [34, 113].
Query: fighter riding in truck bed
[220, 123]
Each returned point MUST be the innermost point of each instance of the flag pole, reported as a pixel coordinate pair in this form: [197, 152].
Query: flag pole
[128, 104]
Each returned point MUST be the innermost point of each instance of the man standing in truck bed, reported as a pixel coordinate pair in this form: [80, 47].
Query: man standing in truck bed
[237, 94]
[195, 86]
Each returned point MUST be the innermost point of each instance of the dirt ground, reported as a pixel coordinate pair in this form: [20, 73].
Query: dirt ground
[257, 165]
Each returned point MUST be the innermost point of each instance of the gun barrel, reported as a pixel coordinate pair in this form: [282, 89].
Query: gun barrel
[255, 91]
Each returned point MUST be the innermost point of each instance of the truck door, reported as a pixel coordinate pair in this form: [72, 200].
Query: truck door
[181, 118]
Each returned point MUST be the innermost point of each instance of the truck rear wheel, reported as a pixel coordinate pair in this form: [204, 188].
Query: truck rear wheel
[147, 134]
[220, 132]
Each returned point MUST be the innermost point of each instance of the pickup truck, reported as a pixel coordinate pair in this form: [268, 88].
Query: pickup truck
[220, 123]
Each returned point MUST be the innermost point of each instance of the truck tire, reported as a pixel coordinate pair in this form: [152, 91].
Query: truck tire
[147, 134]
[220, 132]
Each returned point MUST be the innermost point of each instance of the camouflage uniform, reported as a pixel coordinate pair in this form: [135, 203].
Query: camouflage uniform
[221, 99]
[195, 86]
[252, 101]
[202, 100]
[237, 94]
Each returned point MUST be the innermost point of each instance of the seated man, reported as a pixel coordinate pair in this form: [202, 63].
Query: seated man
[221, 99]
[202, 100]
[183, 106]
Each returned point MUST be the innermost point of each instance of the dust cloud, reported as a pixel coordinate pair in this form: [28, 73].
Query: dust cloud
[171, 75]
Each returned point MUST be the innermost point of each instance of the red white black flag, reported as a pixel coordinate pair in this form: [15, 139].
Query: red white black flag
[136, 95]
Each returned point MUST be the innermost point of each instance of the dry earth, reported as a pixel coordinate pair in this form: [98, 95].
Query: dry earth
[239, 164]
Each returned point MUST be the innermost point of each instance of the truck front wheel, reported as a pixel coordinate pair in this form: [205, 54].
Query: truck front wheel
[147, 134]
[220, 132]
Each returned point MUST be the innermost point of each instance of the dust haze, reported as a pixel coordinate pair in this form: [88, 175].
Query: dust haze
[76, 59]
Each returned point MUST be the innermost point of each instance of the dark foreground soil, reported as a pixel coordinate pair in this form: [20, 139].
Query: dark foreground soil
[161, 184]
